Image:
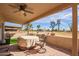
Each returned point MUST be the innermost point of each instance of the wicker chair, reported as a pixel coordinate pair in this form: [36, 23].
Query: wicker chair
[42, 42]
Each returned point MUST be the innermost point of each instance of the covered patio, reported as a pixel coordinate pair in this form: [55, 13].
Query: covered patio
[40, 10]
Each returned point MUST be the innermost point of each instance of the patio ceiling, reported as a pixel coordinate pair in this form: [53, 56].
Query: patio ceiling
[40, 10]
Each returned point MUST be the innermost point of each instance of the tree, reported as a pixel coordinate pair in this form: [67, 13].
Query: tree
[58, 24]
[52, 25]
[63, 30]
[28, 27]
[38, 28]
[70, 26]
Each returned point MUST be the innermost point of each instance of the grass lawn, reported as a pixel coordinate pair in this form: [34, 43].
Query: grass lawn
[13, 41]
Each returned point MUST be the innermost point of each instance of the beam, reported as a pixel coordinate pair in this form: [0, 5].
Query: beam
[74, 31]
[58, 8]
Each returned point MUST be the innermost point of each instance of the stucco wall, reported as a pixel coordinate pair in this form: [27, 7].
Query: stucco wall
[60, 41]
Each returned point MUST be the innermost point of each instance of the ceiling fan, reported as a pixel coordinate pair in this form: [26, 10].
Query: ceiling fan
[22, 7]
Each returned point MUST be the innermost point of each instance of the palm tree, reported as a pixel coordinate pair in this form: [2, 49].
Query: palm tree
[28, 27]
[38, 28]
[58, 23]
[70, 26]
[52, 25]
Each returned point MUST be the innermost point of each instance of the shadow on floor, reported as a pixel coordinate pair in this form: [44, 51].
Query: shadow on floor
[64, 50]
[14, 48]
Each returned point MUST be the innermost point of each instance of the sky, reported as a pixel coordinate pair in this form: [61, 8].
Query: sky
[65, 16]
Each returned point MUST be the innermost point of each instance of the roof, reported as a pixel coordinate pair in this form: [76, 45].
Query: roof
[40, 10]
[12, 27]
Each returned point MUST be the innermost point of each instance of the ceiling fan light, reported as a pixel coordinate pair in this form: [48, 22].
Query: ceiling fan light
[22, 12]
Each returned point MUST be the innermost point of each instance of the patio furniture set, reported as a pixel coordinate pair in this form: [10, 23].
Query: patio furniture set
[32, 43]
[28, 44]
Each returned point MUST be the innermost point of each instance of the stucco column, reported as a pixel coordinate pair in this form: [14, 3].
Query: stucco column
[74, 30]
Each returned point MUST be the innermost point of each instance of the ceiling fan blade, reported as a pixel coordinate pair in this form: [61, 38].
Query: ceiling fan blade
[29, 8]
[28, 11]
[16, 11]
[13, 6]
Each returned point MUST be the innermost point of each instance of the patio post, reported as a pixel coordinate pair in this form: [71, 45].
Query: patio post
[3, 33]
[74, 30]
